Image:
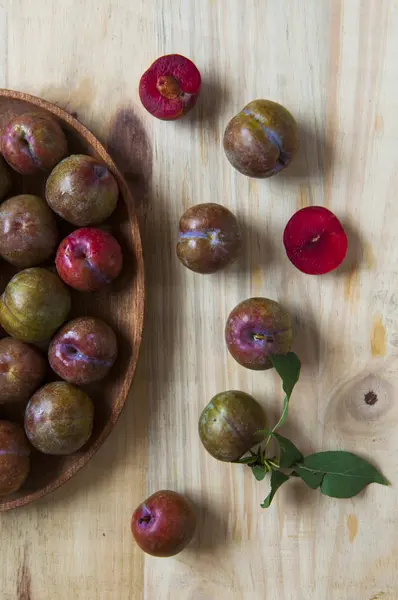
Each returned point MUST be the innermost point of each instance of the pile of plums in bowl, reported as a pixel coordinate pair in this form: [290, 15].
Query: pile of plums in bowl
[52, 249]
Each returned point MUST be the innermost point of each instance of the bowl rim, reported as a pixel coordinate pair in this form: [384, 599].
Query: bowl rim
[100, 149]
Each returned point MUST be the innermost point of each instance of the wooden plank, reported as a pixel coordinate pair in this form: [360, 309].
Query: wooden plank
[333, 64]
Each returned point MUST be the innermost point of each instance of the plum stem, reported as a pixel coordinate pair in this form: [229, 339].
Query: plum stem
[169, 87]
[100, 171]
[258, 337]
[27, 146]
[145, 519]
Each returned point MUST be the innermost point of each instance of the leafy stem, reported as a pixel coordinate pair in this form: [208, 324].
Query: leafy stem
[288, 367]
[336, 473]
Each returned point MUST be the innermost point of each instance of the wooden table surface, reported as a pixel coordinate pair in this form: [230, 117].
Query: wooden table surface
[334, 65]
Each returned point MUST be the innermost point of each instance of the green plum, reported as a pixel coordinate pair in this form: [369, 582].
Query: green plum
[34, 304]
[82, 190]
[59, 418]
[229, 425]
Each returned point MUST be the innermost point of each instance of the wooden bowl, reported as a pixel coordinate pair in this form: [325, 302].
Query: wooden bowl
[121, 305]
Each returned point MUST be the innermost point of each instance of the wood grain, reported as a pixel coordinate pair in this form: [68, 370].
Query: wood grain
[333, 64]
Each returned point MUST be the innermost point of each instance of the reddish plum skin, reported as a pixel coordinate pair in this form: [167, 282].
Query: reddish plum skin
[262, 139]
[209, 238]
[256, 329]
[22, 368]
[28, 231]
[32, 143]
[229, 425]
[164, 524]
[82, 190]
[83, 351]
[89, 259]
[14, 457]
[170, 87]
[315, 241]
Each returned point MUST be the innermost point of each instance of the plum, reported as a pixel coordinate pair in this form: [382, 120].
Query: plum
[209, 239]
[89, 259]
[170, 87]
[82, 190]
[59, 418]
[33, 142]
[28, 231]
[229, 425]
[83, 350]
[256, 329]
[163, 524]
[34, 304]
[262, 139]
[22, 369]
[315, 240]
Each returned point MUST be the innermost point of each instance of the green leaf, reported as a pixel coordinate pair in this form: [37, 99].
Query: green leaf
[246, 460]
[313, 480]
[259, 472]
[289, 454]
[277, 479]
[340, 474]
[288, 367]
